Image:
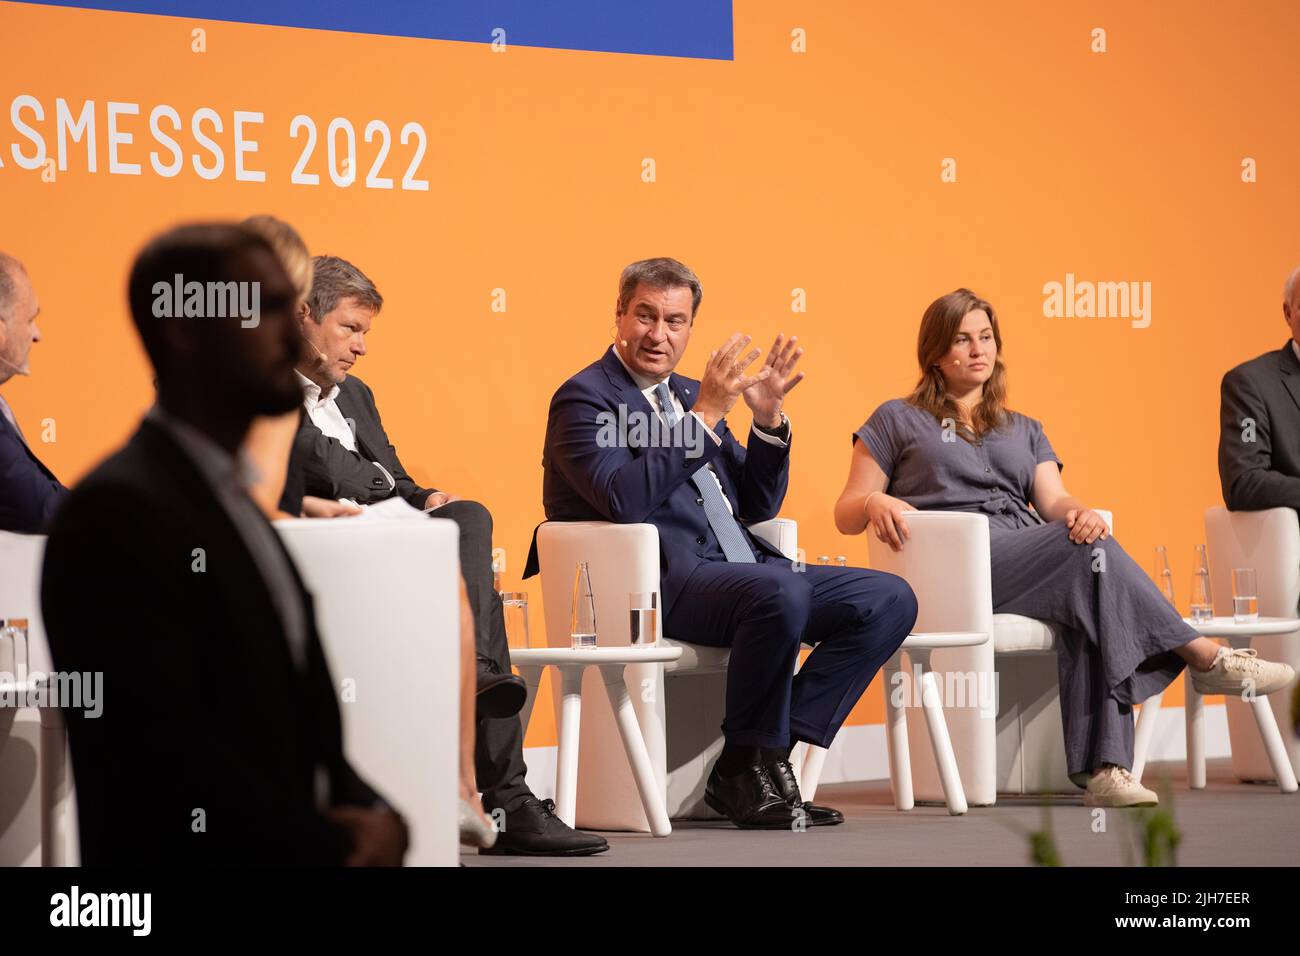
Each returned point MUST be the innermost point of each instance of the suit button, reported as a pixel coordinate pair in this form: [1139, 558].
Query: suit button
[699, 501]
[988, 471]
[700, 539]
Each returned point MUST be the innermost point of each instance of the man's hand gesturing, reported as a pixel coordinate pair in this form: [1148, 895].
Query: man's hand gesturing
[767, 395]
[724, 379]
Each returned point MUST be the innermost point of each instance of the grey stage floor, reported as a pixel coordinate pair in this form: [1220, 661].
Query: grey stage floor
[1227, 824]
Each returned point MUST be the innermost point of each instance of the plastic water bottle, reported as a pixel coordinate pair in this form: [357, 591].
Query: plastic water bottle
[582, 620]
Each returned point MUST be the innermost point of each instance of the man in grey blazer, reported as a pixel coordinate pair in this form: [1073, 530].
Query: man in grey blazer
[342, 452]
[1259, 422]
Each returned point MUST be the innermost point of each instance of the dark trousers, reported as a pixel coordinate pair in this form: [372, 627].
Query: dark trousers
[855, 618]
[498, 742]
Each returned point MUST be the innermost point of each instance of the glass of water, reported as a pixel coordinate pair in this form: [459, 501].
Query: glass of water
[1245, 596]
[14, 659]
[514, 604]
[643, 612]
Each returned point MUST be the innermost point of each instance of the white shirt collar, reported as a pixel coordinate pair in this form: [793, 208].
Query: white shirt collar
[1295, 348]
[312, 394]
[643, 383]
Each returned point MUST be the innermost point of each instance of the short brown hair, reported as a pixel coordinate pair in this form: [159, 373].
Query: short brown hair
[661, 273]
[335, 279]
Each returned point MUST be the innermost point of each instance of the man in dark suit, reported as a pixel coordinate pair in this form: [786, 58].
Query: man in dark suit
[1259, 422]
[219, 741]
[629, 440]
[343, 452]
[29, 492]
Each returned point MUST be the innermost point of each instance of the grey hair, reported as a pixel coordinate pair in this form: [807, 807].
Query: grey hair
[661, 273]
[335, 279]
[9, 267]
[1288, 290]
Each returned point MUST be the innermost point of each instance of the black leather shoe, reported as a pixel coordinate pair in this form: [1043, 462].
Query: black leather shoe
[533, 829]
[782, 775]
[499, 695]
[749, 800]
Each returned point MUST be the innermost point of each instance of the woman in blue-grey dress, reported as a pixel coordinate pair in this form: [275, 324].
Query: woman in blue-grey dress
[953, 445]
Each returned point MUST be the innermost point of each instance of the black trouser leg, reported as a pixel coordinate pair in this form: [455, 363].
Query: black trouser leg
[498, 742]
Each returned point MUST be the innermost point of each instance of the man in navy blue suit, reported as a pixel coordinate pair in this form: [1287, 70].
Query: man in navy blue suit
[29, 491]
[629, 440]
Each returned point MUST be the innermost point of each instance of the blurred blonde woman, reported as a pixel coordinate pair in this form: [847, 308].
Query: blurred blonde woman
[953, 445]
[268, 446]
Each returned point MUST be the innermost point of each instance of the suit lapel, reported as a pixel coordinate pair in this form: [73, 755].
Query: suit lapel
[1290, 368]
[688, 393]
[31, 455]
[351, 407]
[242, 585]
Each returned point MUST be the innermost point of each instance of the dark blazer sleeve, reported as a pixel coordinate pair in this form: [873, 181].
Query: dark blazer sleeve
[404, 484]
[1246, 467]
[622, 487]
[321, 466]
[762, 470]
[28, 494]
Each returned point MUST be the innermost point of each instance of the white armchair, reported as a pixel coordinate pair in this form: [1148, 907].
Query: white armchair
[680, 707]
[388, 610]
[37, 805]
[1269, 542]
[1021, 750]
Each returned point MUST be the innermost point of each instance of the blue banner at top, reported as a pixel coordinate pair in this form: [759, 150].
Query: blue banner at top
[689, 28]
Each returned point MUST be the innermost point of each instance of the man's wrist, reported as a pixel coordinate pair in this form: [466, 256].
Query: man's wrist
[775, 427]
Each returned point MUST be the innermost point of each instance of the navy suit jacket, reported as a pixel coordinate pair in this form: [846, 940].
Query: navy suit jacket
[587, 478]
[29, 492]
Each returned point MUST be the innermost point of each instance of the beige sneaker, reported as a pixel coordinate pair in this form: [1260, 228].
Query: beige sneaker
[1238, 670]
[1114, 786]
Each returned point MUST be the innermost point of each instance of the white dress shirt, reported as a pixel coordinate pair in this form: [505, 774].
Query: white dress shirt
[1295, 348]
[324, 412]
[648, 386]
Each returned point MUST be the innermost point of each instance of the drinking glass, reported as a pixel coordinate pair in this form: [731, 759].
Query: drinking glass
[514, 605]
[643, 611]
[1245, 596]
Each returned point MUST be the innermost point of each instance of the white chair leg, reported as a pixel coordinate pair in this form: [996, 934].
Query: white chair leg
[566, 757]
[813, 761]
[638, 758]
[1194, 713]
[1145, 732]
[932, 703]
[1276, 749]
[900, 761]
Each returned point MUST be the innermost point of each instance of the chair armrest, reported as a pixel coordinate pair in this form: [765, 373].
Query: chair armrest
[780, 533]
[946, 562]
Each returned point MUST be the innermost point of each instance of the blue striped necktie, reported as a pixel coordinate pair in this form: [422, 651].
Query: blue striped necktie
[719, 516]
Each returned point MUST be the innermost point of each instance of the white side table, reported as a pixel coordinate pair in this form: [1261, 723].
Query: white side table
[919, 646]
[612, 661]
[1238, 635]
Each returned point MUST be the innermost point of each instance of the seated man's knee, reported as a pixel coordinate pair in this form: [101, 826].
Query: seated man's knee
[790, 597]
[470, 515]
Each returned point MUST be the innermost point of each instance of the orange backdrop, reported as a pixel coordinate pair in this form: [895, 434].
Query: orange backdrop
[781, 170]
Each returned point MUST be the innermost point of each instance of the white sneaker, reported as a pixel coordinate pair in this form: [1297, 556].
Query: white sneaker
[1114, 786]
[1238, 670]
